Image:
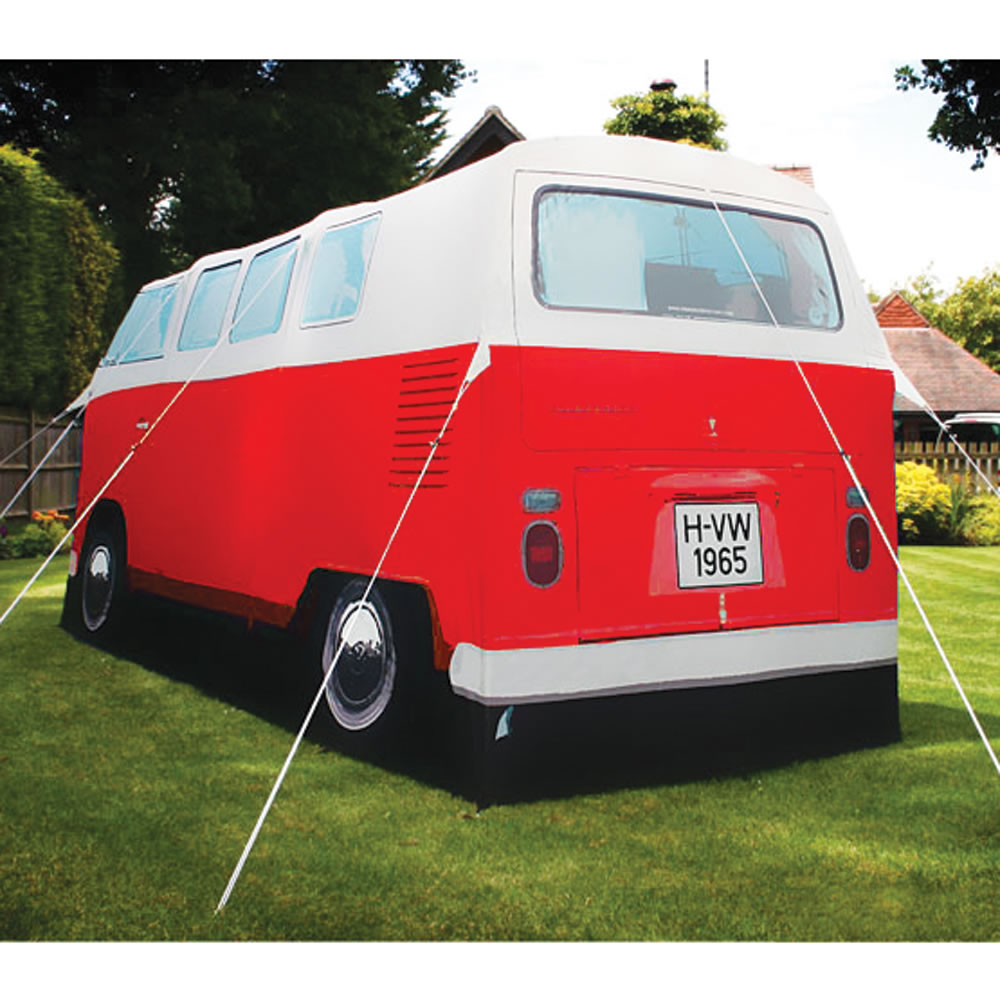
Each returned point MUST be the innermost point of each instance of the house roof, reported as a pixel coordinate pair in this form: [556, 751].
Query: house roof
[489, 135]
[948, 376]
[895, 311]
[804, 174]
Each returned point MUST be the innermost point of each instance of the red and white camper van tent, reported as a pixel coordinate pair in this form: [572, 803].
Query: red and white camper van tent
[637, 492]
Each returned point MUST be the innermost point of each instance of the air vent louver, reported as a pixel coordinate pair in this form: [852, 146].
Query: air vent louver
[427, 390]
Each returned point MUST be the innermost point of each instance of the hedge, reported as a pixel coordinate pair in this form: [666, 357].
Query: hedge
[55, 277]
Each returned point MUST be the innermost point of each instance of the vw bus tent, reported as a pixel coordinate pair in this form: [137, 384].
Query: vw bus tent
[619, 408]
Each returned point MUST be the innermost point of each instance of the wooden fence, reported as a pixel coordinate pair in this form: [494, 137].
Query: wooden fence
[55, 486]
[947, 460]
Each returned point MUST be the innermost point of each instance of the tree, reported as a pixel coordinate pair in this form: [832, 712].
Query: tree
[969, 116]
[970, 315]
[180, 158]
[55, 276]
[662, 114]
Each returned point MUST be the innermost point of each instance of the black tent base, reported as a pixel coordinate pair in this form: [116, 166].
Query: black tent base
[573, 747]
[551, 750]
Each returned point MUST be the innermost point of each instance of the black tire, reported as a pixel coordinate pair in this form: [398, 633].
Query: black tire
[371, 694]
[100, 591]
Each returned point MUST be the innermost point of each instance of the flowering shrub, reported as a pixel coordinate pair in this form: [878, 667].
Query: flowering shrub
[922, 503]
[982, 525]
[932, 511]
[45, 518]
[46, 530]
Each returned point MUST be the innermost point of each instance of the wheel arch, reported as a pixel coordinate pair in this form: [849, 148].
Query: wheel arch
[410, 601]
[108, 514]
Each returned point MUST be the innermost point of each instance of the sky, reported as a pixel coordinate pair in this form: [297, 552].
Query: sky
[905, 204]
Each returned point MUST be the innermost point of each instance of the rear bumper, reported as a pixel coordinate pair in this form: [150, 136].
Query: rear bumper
[627, 666]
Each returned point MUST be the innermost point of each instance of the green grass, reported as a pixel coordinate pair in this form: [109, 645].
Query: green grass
[130, 782]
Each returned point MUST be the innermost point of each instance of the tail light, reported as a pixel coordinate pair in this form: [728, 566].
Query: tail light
[541, 553]
[859, 542]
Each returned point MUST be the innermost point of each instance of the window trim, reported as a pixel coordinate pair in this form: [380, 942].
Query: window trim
[595, 189]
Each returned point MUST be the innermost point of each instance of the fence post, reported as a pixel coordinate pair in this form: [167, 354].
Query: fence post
[30, 492]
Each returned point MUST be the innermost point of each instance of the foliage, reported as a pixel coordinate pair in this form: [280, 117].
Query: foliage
[932, 511]
[132, 777]
[662, 114]
[56, 272]
[970, 314]
[969, 116]
[185, 157]
[46, 530]
[973, 516]
[922, 501]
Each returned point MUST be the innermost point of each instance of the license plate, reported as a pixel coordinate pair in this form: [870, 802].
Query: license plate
[718, 544]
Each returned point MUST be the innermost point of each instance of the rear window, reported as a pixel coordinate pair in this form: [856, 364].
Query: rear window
[603, 250]
[144, 328]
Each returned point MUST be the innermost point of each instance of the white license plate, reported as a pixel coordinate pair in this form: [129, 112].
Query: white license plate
[718, 544]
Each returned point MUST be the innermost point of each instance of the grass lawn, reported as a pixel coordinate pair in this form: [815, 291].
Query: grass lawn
[129, 782]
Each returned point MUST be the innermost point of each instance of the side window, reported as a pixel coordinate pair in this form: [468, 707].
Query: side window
[144, 328]
[338, 273]
[265, 288]
[203, 321]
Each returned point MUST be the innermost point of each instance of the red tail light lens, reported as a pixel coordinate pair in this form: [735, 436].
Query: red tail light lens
[859, 542]
[542, 553]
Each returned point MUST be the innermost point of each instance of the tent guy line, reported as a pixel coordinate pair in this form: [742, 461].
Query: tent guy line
[478, 363]
[868, 506]
[36, 436]
[27, 482]
[954, 440]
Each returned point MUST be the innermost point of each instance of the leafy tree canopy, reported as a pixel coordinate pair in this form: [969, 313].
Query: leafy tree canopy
[181, 158]
[663, 114]
[970, 314]
[969, 116]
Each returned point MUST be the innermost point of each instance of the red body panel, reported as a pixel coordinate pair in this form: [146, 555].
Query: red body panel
[250, 483]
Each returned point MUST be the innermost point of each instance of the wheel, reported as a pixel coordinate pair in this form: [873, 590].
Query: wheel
[366, 689]
[102, 590]
[360, 689]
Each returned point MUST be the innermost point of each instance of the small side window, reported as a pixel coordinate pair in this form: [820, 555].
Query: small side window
[265, 288]
[144, 328]
[203, 321]
[338, 273]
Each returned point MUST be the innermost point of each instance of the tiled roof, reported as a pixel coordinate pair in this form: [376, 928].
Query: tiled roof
[894, 310]
[950, 378]
[804, 174]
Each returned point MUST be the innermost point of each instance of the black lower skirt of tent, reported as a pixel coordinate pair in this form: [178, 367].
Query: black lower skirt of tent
[682, 734]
